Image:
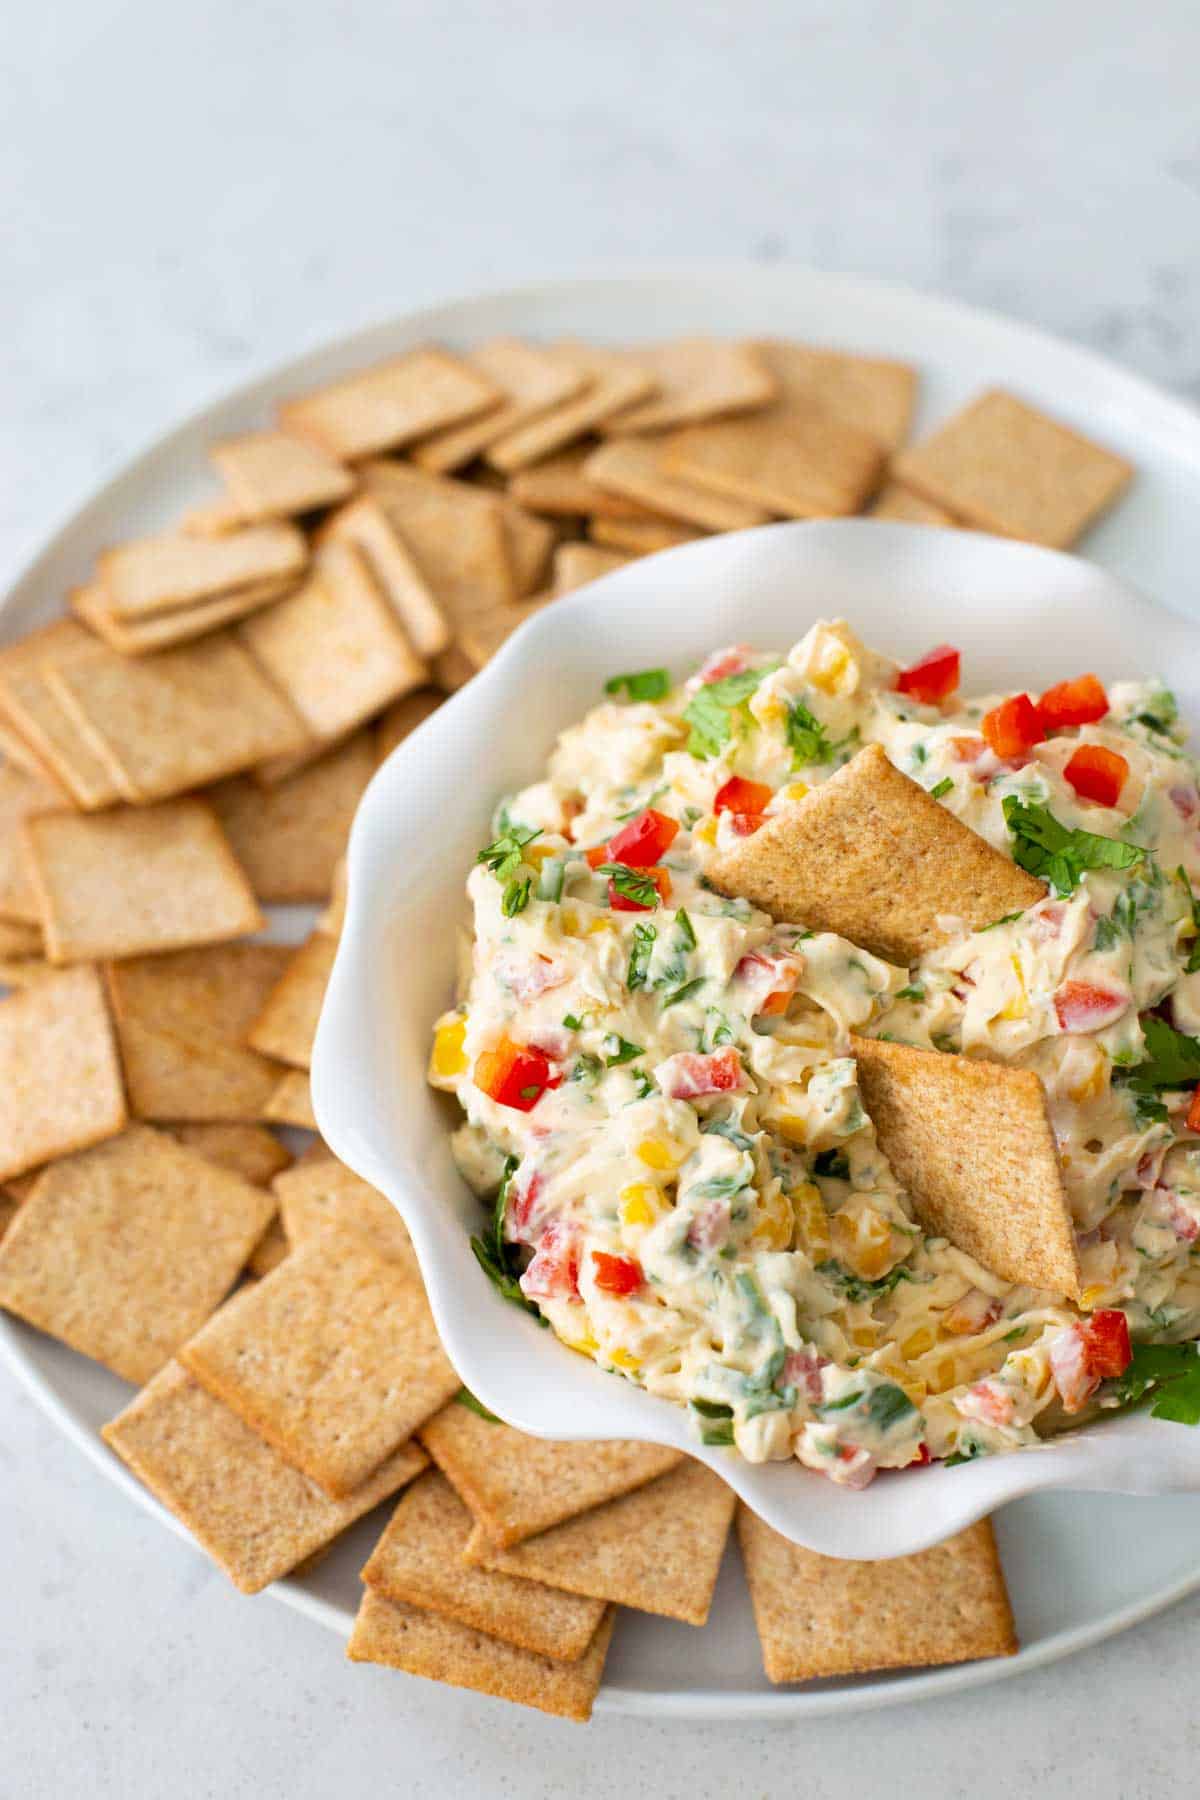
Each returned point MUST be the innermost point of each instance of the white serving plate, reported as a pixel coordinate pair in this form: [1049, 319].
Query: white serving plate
[1080, 1567]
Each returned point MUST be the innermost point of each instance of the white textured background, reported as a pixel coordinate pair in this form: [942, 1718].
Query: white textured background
[190, 193]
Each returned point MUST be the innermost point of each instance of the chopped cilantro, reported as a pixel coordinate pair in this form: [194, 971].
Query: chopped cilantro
[586, 1067]
[1162, 712]
[1193, 961]
[855, 1288]
[639, 956]
[727, 1129]
[646, 684]
[847, 1400]
[941, 787]
[1173, 1370]
[618, 1050]
[914, 991]
[466, 1398]
[1046, 848]
[1004, 919]
[709, 711]
[503, 856]
[1172, 1060]
[516, 897]
[685, 929]
[1011, 1337]
[571, 1022]
[887, 1405]
[719, 1187]
[683, 993]
[642, 1084]
[711, 1409]
[631, 884]
[492, 1253]
[806, 737]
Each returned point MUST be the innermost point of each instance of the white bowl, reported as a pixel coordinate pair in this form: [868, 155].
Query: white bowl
[1022, 617]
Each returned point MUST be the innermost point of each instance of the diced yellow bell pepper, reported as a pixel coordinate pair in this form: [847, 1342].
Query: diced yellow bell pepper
[584, 1346]
[834, 665]
[863, 1336]
[569, 920]
[795, 790]
[1092, 1296]
[863, 1241]
[639, 1204]
[706, 833]
[622, 1359]
[812, 1221]
[945, 1375]
[775, 1226]
[917, 1343]
[1018, 1008]
[448, 1056]
[659, 1153]
[792, 1127]
[536, 854]
[598, 925]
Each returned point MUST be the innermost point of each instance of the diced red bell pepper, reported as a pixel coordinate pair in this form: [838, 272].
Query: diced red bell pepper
[1088, 1352]
[514, 1075]
[968, 749]
[616, 1274]
[1097, 774]
[1193, 1111]
[688, 1074]
[722, 663]
[1108, 1349]
[596, 855]
[1013, 727]
[622, 903]
[643, 841]
[931, 678]
[770, 981]
[1078, 702]
[737, 795]
[554, 1272]
[922, 1459]
[1085, 1006]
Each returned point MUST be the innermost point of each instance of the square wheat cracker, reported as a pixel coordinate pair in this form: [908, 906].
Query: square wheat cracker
[323, 1194]
[37, 713]
[20, 798]
[288, 837]
[577, 564]
[696, 379]
[365, 524]
[251, 1151]
[124, 1250]
[270, 1250]
[559, 488]
[517, 1485]
[60, 1075]
[381, 408]
[893, 501]
[452, 670]
[333, 1358]
[481, 638]
[658, 1549]
[287, 1024]
[180, 719]
[157, 574]
[973, 1144]
[821, 1616]
[641, 537]
[419, 1562]
[456, 533]
[615, 383]
[871, 855]
[290, 1101]
[1003, 466]
[270, 475]
[874, 393]
[162, 631]
[335, 647]
[182, 1019]
[531, 379]
[249, 1509]
[421, 1643]
[403, 717]
[135, 880]
[635, 468]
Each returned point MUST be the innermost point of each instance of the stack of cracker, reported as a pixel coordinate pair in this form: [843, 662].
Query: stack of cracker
[187, 745]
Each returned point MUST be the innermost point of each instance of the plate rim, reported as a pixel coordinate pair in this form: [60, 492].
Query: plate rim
[1171, 418]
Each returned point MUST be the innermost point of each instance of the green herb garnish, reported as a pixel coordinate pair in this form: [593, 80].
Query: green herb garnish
[913, 992]
[1193, 961]
[683, 993]
[855, 1288]
[639, 956]
[618, 1050]
[1055, 854]
[1173, 1371]
[709, 711]
[646, 684]
[571, 1022]
[631, 884]
[516, 897]
[941, 787]
[806, 737]
[466, 1398]
[503, 856]
[1172, 1060]
[685, 929]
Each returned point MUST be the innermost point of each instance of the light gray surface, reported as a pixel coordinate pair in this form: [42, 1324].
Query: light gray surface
[193, 193]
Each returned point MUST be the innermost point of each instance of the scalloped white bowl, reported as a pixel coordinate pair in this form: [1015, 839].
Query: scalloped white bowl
[1022, 617]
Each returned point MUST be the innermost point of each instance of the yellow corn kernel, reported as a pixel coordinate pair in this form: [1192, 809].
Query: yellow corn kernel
[622, 1359]
[863, 1336]
[792, 1127]
[600, 925]
[834, 665]
[659, 1153]
[812, 1222]
[944, 1376]
[1018, 1008]
[912, 1384]
[639, 1204]
[863, 1240]
[771, 710]
[448, 1056]
[1092, 1296]
[706, 833]
[536, 854]
[795, 790]
[569, 920]
[585, 1345]
[1091, 1085]
[917, 1343]
[775, 1226]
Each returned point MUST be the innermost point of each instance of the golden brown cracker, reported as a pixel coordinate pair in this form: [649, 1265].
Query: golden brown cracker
[615, 383]
[137, 879]
[122, 1251]
[559, 488]
[165, 724]
[577, 564]
[419, 1562]
[162, 631]
[792, 458]
[380, 408]
[271, 475]
[518, 1485]
[287, 1024]
[366, 525]
[455, 532]
[869, 854]
[641, 537]
[333, 1358]
[38, 715]
[1004, 466]
[290, 1101]
[335, 647]
[480, 638]
[290, 836]
[270, 1249]
[893, 501]
[248, 1508]
[403, 717]
[696, 379]
[531, 379]
[453, 669]
[21, 796]
[821, 1616]
[657, 1549]
[60, 1076]
[323, 1194]
[637, 468]
[19, 941]
[155, 575]
[973, 1144]
[874, 393]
